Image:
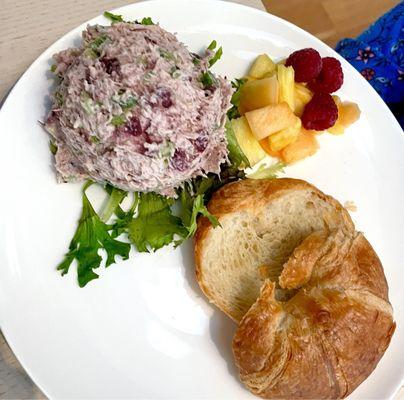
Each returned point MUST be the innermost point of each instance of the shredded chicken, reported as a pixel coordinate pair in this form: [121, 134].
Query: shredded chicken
[131, 110]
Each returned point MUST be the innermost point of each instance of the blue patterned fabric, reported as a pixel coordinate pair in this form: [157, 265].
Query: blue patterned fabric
[378, 54]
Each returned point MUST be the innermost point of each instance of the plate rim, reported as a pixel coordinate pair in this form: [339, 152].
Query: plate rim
[122, 9]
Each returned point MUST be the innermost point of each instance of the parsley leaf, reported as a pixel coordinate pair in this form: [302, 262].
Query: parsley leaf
[236, 155]
[267, 172]
[155, 225]
[113, 17]
[91, 236]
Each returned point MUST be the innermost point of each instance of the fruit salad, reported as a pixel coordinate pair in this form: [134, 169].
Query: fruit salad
[282, 107]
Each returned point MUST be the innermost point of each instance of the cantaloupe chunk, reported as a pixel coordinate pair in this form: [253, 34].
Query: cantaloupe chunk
[304, 146]
[259, 93]
[265, 146]
[267, 120]
[262, 66]
[246, 140]
[348, 113]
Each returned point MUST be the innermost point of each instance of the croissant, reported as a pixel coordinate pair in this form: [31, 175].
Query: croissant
[262, 222]
[330, 333]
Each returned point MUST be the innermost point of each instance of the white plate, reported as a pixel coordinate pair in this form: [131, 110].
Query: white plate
[144, 330]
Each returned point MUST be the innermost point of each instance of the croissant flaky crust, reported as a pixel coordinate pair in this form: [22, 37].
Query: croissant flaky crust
[331, 333]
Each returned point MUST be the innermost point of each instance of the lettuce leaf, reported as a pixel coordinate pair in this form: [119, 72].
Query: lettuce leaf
[155, 225]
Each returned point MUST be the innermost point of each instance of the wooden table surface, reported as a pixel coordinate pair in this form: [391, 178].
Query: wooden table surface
[28, 27]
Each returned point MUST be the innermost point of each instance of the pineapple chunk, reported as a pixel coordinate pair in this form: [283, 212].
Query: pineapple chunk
[246, 140]
[250, 78]
[305, 145]
[336, 99]
[270, 119]
[261, 66]
[286, 79]
[258, 93]
[302, 96]
[281, 139]
[348, 113]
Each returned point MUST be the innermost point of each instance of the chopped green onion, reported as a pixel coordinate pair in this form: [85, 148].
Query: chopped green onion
[213, 45]
[52, 147]
[216, 57]
[118, 120]
[129, 103]
[208, 80]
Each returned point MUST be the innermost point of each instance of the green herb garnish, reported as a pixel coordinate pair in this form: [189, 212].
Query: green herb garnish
[95, 139]
[193, 206]
[167, 55]
[208, 80]
[115, 199]
[155, 225]
[97, 43]
[195, 59]
[91, 236]
[113, 17]
[90, 53]
[174, 72]
[147, 21]
[118, 18]
[87, 103]
[59, 98]
[53, 67]
[129, 103]
[53, 147]
[235, 98]
[118, 120]
[217, 55]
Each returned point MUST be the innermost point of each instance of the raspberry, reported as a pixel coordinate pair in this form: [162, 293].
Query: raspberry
[331, 77]
[306, 63]
[320, 112]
